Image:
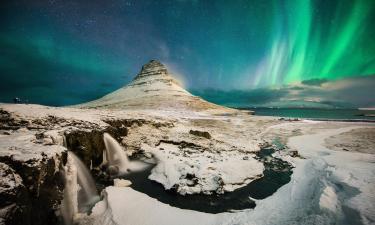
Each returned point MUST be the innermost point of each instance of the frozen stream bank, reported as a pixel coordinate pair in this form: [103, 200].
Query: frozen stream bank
[327, 187]
[277, 173]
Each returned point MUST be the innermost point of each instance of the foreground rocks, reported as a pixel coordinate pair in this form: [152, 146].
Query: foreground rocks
[32, 151]
[13, 194]
[31, 183]
[224, 143]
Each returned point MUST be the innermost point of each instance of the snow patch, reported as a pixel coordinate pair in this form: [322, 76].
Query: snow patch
[205, 172]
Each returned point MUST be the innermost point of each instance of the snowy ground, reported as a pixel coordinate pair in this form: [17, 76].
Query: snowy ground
[230, 148]
[328, 187]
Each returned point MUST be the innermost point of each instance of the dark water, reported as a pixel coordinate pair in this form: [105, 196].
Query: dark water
[276, 174]
[331, 114]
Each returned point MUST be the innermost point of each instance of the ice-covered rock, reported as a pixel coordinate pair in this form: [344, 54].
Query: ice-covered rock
[121, 182]
[329, 200]
[202, 172]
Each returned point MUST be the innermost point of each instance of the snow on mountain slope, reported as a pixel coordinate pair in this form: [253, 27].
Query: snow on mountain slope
[154, 88]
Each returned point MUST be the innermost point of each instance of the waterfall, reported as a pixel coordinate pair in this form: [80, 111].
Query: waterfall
[80, 191]
[118, 162]
[69, 206]
[87, 193]
[65, 144]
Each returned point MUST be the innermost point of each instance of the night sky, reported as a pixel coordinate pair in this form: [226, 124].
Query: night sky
[61, 52]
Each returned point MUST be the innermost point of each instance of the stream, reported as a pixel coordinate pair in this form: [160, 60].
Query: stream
[276, 174]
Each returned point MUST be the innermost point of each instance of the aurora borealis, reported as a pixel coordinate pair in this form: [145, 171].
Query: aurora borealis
[309, 43]
[64, 52]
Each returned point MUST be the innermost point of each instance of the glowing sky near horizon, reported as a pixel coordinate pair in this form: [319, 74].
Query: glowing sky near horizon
[81, 50]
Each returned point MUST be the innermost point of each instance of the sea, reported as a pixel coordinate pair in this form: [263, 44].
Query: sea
[317, 114]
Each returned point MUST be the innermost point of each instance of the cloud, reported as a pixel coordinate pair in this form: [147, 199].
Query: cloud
[314, 82]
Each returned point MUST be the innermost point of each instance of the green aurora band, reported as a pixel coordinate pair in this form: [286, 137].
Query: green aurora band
[60, 53]
[301, 50]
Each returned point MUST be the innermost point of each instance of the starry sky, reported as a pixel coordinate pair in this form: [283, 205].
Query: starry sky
[60, 52]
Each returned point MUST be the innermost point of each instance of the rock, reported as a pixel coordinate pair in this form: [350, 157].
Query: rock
[148, 155]
[31, 183]
[47, 141]
[121, 183]
[113, 170]
[295, 154]
[13, 195]
[54, 136]
[204, 134]
[288, 119]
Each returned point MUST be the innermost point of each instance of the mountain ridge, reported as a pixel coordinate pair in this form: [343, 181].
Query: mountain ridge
[154, 88]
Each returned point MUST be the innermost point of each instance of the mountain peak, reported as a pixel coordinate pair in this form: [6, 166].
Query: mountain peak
[152, 68]
[153, 63]
[153, 88]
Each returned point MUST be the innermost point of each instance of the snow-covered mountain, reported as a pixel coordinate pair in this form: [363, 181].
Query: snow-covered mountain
[153, 88]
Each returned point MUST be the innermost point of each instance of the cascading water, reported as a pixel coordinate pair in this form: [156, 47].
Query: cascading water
[65, 144]
[80, 191]
[115, 156]
[87, 194]
[69, 206]
[116, 160]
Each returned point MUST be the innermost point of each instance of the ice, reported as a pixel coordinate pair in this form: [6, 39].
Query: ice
[127, 206]
[329, 199]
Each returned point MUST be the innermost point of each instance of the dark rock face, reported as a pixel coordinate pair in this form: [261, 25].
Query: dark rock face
[152, 68]
[153, 72]
[31, 186]
[30, 192]
[13, 196]
[88, 144]
[198, 133]
[7, 122]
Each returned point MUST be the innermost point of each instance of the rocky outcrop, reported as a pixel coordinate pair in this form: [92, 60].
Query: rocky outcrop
[198, 133]
[13, 195]
[31, 183]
